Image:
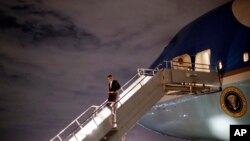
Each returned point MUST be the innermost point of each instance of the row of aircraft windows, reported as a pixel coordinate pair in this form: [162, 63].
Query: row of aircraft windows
[202, 61]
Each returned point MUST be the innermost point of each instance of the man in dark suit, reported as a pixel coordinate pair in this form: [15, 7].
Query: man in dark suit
[113, 87]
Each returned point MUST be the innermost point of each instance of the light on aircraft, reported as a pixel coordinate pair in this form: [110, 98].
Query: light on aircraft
[219, 126]
[220, 65]
[245, 56]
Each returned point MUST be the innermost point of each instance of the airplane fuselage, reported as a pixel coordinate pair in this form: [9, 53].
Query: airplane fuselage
[217, 39]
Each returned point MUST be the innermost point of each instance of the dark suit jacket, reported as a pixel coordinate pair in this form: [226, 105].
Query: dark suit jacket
[112, 94]
[115, 86]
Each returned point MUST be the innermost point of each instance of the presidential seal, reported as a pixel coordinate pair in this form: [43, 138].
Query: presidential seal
[233, 102]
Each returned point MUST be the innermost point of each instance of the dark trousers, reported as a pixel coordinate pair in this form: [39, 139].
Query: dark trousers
[112, 98]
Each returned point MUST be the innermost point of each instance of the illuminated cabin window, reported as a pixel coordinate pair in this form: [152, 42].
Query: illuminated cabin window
[245, 56]
[220, 65]
[182, 62]
[202, 61]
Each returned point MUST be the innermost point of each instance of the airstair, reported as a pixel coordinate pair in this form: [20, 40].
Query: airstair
[136, 97]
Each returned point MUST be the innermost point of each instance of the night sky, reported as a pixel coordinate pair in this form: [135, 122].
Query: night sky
[55, 56]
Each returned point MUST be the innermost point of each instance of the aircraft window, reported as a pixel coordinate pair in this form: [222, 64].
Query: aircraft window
[182, 62]
[202, 61]
[245, 57]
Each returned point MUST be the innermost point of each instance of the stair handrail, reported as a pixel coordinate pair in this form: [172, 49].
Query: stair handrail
[140, 72]
[170, 65]
[74, 121]
[211, 68]
[99, 108]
